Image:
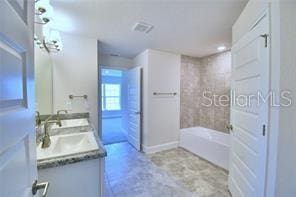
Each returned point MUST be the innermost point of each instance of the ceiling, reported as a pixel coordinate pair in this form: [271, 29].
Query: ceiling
[190, 27]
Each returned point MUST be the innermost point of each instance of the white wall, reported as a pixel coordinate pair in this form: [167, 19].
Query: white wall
[76, 72]
[161, 73]
[115, 62]
[286, 161]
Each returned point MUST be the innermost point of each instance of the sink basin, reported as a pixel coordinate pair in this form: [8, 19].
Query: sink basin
[72, 123]
[64, 145]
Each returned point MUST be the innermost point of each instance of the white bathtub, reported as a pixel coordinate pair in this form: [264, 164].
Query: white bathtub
[209, 144]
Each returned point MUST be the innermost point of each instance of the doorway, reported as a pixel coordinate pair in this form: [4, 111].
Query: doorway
[121, 106]
[112, 106]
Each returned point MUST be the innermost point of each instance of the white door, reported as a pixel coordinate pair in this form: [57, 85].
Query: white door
[250, 75]
[134, 107]
[17, 131]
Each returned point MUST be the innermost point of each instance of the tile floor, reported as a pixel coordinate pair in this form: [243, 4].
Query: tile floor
[176, 173]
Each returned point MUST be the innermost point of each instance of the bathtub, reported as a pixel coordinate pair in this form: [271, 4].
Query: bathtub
[209, 144]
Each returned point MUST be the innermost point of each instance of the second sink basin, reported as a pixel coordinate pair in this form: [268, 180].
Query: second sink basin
[72, 123]
[63, 145]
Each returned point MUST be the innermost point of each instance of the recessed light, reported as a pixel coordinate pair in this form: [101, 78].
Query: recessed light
[221, 48]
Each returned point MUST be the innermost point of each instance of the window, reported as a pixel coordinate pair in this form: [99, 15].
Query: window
[110, 97]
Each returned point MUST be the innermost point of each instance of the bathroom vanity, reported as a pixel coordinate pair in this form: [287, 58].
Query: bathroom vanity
[70, 157]
[73, 164]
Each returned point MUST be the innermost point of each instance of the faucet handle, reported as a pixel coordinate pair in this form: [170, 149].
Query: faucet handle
[58, 116]
[37, 118]
[59, 123]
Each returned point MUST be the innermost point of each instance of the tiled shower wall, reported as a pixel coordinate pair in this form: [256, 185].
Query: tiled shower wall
[211, 74]
[215, 77]
[190, 92]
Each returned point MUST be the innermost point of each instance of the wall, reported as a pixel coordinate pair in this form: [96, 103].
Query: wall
[209, 74]
[43, 81]
[115, 62]
[286, 162]
[76, 72]
[215, 80]
[164, 76]
[190, 92]
[161, 73]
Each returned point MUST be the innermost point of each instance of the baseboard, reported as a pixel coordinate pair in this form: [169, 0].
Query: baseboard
[161, 147]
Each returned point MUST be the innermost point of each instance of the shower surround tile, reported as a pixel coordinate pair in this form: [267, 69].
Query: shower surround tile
[190, 92]
[219, 67]
[202, 77]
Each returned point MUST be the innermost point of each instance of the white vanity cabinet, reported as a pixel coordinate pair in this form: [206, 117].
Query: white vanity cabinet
[73, 165]
[80, 179]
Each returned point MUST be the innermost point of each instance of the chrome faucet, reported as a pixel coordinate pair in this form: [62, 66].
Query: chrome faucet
[46, 138]
[58, 115]
[37, 118]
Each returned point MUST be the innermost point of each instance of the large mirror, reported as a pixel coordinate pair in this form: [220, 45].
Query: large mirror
[43, 81]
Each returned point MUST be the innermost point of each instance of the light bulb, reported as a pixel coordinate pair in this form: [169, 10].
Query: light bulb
[48, 15]
[221, 48]
[42, 4]
[55, 36]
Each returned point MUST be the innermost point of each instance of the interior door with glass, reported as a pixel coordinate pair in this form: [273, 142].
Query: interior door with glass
[249, 115]
[134, 107]
[17, 115]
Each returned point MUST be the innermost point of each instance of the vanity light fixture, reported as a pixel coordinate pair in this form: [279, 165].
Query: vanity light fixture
[43, 21]
[42, 5]
[55, 37]
[44, 10]
[51, 39]
[40, 11]
[52, 42]
[38, 42]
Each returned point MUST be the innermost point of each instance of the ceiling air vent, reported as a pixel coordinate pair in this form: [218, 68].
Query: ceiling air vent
[115, 55]
[142, 27]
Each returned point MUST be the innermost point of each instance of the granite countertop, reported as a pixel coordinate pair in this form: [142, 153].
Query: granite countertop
[70, 159]
[74, 158]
